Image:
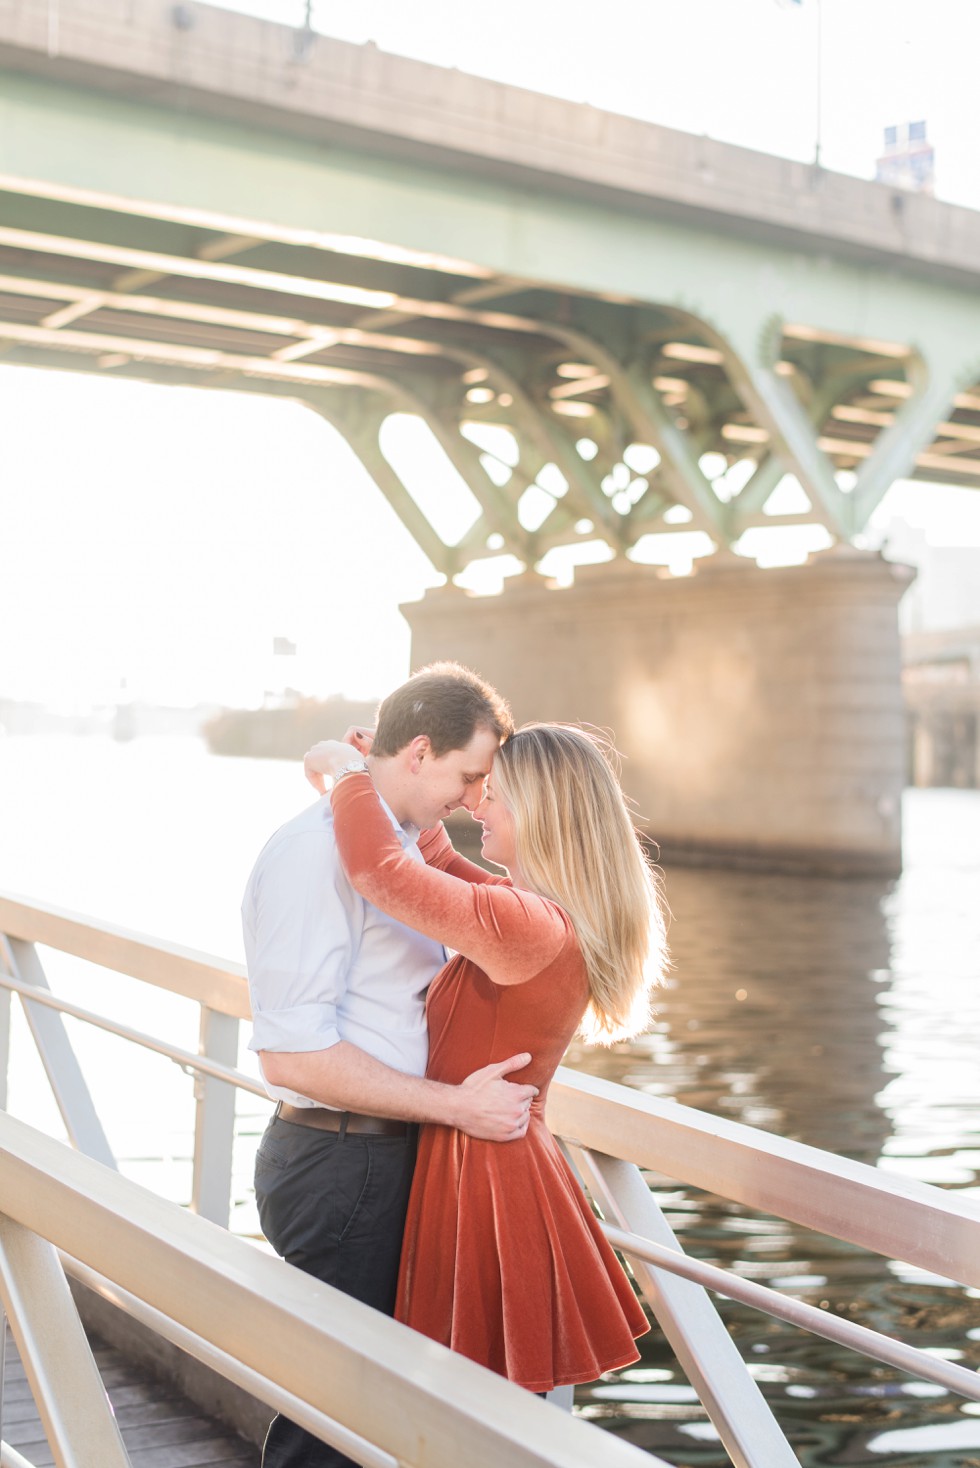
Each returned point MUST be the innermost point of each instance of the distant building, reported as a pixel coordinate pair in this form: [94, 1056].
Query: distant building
[941, 681]
[287, 730]
[939, 617]
[946, 591]
[909, 160]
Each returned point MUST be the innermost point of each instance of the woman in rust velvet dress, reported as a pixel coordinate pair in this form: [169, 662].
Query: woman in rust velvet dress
[503, 1259]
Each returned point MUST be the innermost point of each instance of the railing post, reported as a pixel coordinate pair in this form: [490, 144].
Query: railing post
[60, 1061]
[744, 1421]
[214, 1129]
[3, 1361]
[7, 963]
[64, 1379]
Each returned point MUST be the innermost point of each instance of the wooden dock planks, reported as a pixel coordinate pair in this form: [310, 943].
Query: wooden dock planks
[161, 1428]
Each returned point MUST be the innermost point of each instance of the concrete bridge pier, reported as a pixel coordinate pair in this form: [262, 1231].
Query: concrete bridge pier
[759, 711]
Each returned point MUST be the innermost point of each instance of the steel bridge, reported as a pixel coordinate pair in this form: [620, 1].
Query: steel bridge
[667, 326]
[615, 332]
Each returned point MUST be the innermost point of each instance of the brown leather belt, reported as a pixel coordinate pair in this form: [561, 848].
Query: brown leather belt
[323, 1119]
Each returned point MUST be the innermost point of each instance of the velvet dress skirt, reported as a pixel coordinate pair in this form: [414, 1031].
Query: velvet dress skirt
[503, 1258]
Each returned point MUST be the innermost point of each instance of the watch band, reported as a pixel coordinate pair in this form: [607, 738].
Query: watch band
[353, 767]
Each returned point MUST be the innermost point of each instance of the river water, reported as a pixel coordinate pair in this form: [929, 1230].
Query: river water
[845, 1014]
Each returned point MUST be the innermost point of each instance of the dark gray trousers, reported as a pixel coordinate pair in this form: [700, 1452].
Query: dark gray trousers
[335, 1207]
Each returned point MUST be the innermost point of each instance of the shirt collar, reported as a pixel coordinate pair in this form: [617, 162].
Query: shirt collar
[407, 834]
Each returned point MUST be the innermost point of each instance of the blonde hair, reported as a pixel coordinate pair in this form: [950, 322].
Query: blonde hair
[576, 843]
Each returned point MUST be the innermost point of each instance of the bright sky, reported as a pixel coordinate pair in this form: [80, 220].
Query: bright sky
[165, 536]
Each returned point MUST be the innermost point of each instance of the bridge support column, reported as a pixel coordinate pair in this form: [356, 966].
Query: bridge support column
[760, 712]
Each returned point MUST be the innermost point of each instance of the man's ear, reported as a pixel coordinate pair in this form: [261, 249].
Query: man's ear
[419, 748]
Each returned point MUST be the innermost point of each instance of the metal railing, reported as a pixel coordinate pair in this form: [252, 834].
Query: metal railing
[301, 1346]
[608, 1131]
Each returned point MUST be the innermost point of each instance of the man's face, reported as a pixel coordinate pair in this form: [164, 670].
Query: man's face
[441, 785]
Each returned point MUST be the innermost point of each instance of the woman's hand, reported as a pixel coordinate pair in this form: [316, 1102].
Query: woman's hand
[360, 738]
[325, 758]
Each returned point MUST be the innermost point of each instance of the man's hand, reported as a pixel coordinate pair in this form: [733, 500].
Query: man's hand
[491, 1108]
[485, 1105]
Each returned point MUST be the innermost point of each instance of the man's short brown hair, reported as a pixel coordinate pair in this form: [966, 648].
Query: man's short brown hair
[446, 702]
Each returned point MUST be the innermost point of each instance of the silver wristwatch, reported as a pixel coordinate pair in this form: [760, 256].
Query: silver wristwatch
[353, 767]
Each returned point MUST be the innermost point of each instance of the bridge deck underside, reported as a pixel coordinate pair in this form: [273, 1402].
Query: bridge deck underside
[626, 417]
[161, 1428]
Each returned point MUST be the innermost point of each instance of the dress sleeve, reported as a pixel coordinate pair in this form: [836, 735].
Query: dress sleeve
[438, 850]
[512, 935]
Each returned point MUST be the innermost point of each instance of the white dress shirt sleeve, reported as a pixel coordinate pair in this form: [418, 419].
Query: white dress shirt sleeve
[302, 928]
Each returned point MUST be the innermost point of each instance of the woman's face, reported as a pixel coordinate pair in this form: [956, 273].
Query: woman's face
[498, 828]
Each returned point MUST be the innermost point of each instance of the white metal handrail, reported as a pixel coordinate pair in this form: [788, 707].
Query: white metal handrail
[218, 987]
[819, 1190]
[906, 1219]
[897, 1217]
[186, 1059]
[213, 982]
[721, 1281]
[610, 1131]
[831, 1327]
[254, 1382]
[334, 1357]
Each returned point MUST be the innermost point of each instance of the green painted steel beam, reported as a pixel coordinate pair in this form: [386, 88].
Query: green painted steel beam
[191, 163]
[305, 227]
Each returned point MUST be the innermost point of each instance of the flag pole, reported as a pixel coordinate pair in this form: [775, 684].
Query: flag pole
[816, 154]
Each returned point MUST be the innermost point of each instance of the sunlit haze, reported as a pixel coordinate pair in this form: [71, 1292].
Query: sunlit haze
[165, 535]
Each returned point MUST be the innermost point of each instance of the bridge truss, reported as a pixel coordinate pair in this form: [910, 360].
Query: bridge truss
[656, 371]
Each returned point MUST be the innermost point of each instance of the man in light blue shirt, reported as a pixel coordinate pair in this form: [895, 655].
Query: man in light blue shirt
[338, 1001]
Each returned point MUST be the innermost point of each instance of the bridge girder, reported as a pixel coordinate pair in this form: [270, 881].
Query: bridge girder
[775, 383]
